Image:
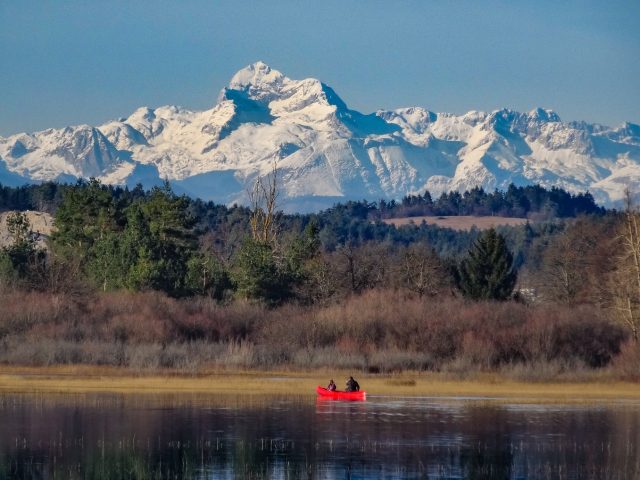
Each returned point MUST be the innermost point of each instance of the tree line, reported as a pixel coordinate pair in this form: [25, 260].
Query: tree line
[531, 201]
[561, 289]
[114, 239]
[516, 201]
[359, 222]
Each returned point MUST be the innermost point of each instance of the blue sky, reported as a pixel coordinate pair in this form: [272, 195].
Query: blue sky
[71, 62]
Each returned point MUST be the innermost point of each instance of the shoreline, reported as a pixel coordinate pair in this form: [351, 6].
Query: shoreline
[80, 379]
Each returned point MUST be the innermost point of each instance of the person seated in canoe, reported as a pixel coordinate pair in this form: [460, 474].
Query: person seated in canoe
[332, 386]
[352, 385]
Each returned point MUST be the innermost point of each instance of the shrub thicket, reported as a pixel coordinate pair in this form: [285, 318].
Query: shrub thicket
[378, 331]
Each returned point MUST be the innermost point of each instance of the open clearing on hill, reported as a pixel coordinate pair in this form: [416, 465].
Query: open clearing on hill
[462, 222]
[41, 225]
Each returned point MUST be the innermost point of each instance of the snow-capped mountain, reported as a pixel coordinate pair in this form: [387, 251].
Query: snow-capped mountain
[325, 151]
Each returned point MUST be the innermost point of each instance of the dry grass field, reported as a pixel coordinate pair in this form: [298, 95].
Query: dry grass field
[462, 222]
[85, 379]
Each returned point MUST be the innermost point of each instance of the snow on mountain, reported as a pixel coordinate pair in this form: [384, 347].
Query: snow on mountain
[325, 151]
[51, 154]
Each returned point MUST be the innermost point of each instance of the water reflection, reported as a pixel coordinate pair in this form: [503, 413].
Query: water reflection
[113, 436]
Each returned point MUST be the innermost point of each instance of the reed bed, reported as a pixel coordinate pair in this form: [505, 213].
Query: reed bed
[88, 379]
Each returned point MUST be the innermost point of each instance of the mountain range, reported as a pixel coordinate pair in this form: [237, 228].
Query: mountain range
[326, 152]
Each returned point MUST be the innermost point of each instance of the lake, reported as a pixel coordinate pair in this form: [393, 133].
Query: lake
[111, 436]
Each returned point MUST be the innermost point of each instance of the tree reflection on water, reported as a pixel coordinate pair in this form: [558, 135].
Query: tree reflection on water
[118, 437]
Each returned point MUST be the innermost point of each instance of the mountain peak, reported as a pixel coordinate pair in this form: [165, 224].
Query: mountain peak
[544, 114]
[257, 75]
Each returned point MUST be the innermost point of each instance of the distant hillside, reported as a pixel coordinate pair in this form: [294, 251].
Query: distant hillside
[460, 222]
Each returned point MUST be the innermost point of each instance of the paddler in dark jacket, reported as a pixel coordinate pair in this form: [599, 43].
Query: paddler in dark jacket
[352, 385]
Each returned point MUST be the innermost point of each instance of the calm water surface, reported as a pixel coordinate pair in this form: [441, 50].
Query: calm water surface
[123, 436]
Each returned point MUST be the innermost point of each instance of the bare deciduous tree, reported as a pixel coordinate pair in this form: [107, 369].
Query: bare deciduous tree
[572, 266]
[361, 267]
[625, 281]
[263, 197]
[566, 262]
[421, 271]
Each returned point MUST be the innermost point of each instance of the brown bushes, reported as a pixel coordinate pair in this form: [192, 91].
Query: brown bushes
[378, 331]
[627, 364]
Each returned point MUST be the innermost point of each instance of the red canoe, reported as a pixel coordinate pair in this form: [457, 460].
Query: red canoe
[338, 395]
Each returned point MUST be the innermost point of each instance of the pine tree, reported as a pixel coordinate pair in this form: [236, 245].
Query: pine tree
[206, 275]
[487, 273]
[259, 275]
[159, 240]
[88, 211]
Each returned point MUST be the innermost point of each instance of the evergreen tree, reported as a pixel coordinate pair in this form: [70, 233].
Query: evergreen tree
[136, 249]
[88, 211]
[302, 251]
[108, 264]
[159, 241]
[259, 275]
[207, 276]
[88, 227]
[487, 273]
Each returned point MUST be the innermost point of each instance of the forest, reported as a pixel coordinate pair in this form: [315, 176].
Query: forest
[148, 279]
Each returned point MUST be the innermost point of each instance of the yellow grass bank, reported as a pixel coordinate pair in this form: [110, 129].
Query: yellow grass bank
[86, 379]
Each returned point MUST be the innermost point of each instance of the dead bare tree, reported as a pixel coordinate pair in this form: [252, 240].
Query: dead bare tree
[568, 271]
[421, 271]
[361, 267]
[263, 199]
[625, 282]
